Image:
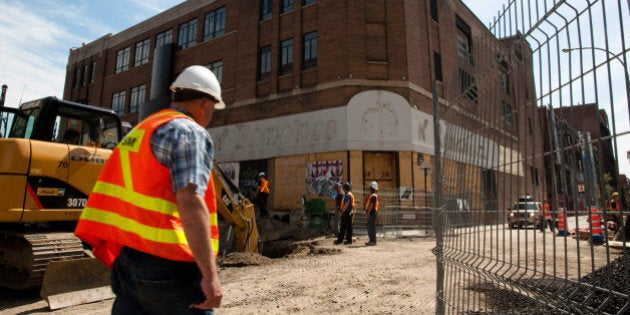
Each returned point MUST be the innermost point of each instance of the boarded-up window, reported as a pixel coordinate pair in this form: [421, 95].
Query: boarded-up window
[376, 42]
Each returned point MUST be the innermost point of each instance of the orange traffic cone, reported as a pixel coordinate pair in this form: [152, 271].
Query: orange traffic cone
[562, 220]
[597, 233]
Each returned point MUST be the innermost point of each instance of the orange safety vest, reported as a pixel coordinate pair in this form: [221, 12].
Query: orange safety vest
[367, 203]
[264, 186]
[351, 205]
[133, 204]
[546, 213]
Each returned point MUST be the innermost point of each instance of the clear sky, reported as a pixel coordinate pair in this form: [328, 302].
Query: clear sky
[36, 36]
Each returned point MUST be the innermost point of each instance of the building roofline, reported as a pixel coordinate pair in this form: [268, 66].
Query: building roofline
[157, 20]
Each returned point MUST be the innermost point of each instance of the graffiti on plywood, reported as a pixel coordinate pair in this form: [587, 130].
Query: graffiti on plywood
[322, 176]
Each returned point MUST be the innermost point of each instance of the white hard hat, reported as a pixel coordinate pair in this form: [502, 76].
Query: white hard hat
[374, 185]
[199, 78]
[262, 174]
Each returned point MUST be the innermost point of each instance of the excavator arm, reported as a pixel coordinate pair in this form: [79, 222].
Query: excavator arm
[237, 211]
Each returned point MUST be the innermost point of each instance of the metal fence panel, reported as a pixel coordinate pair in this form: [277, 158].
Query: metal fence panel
[538, 107]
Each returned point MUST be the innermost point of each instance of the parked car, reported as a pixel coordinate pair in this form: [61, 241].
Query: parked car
[525, 212]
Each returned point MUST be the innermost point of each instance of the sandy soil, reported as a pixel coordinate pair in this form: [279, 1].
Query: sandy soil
[316, 277]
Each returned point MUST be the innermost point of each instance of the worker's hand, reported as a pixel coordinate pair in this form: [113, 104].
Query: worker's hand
[212, 290]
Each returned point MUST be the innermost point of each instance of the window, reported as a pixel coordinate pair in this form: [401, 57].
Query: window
[187, 34]
[118, 102]
[310, 51]
[138, 95]
[307, 2]
[434, 10]
[489, 183]
[86, 74]
[468, 85]
[122, 60]
[264, 66]
[463, 47]
[286, 56]
[214, 24]
[266, 8]
[142, 52]
[217, 68]
[507, 113]
[93, 72]
[75, 77]
[164, 38]
[464, 40]
[437, 61]
[287, 6]
[504, 79]
[534, 172]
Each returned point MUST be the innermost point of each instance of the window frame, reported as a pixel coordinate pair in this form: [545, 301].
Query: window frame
[143, 48]
[118, 102]
[468, 85]
[264, 63]
[266, 10]
[287, 6]
[217, 68]
[164, 38]
[137, 97]
[507, 112]
[214, 24]
[286, 56]
[187, 35]
[309, 51]
[123, 57]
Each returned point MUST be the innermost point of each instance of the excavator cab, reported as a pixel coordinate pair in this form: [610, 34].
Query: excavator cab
[52, 151]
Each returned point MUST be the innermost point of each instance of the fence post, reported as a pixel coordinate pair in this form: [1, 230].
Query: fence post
[437, 204]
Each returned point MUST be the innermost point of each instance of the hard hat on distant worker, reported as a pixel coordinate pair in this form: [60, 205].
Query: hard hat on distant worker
[615, 194]
[201, 79]
[374, 185]
[262, 174]
[347, 186]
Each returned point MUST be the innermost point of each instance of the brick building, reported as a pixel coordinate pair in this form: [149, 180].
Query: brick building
[319, 91]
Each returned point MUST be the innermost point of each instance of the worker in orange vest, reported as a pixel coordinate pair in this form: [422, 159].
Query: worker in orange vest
[263, 194]
[347, 215]
[152, 214]
[371, 210]
[548, 219]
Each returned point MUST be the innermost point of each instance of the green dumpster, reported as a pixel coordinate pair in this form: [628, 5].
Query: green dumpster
[315, 211]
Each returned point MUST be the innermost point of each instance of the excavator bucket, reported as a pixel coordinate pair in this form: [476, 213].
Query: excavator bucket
[74, 282]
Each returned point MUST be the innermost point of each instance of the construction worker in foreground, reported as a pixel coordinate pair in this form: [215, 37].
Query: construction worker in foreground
[371, 210]
[347, 215]
[152, 215]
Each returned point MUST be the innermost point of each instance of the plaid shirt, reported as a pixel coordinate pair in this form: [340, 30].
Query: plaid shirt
[186, 149]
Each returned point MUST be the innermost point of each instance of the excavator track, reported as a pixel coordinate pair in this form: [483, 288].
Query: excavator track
[24, 257]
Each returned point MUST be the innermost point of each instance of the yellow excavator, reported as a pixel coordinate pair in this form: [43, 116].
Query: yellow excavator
[51, 153]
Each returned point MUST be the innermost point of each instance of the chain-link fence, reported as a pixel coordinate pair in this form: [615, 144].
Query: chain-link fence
[533, 125]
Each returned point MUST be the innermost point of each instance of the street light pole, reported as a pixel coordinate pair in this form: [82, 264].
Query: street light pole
[625, 68]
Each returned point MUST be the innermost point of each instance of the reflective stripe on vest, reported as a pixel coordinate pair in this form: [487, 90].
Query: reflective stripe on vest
[264, 186]
[133, 204]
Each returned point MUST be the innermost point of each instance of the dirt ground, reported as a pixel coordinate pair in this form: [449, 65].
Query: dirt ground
[315, 277]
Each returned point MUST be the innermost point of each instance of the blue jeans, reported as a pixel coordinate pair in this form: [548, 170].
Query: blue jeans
[146, 284]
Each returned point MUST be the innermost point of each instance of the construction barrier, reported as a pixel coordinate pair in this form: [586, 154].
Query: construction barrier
[562, 223]
[597, 233]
